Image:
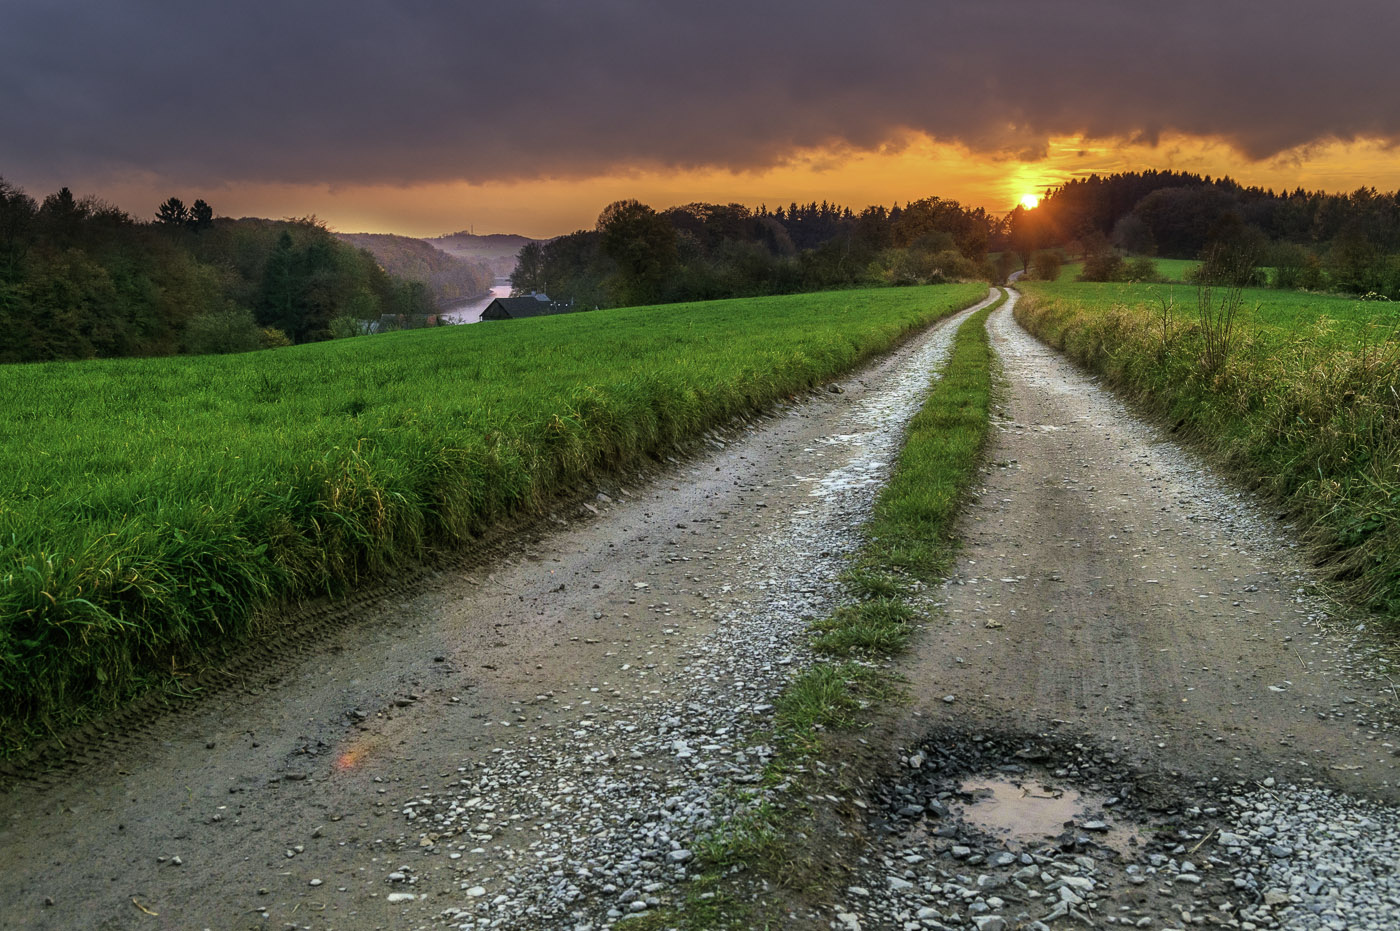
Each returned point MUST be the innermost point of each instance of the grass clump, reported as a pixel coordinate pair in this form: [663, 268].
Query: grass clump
[879, 627]
[1302, 399]
[867, 582]
[150, 507]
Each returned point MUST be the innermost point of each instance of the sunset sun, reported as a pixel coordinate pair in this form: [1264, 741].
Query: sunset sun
[1030, 201]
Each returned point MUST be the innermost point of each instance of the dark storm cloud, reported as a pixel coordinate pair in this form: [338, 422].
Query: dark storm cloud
[354, 91]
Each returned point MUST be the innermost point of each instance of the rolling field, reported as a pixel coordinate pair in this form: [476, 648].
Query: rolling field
[150, 507]
[1300, 396]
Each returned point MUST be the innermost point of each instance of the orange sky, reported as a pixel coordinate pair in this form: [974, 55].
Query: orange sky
[917, 167]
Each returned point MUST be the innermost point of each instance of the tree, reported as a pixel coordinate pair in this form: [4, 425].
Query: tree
[643, 246]
[1026, 232]
[1131, 235]
[61, 218]
[1000, 268]
[173, 213]
[201, 216]
[528, 277]
[1101, 261]
[1232, 252]
[279, 304]
[17, 213]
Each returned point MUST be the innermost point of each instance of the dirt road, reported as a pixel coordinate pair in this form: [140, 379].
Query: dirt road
[1131, 644]
[539, 742]
[544, 736]
[1110, 580]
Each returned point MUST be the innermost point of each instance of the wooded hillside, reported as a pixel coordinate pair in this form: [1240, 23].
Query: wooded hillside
[449, 278]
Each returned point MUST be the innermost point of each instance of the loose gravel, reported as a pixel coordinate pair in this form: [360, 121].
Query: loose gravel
[1143, 849]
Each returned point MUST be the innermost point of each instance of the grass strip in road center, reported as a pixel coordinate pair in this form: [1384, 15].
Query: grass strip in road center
[910, 541]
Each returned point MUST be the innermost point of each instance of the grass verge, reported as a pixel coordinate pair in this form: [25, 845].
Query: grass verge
[150, 508]
[1299, 396]
[910, 541]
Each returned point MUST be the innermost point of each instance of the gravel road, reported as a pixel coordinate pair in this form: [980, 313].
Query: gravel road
[1130, 705]
[537, 743]
[540, 741]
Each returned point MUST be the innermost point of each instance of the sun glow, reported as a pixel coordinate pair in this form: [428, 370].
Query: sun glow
[918, 167]
[1030, 201]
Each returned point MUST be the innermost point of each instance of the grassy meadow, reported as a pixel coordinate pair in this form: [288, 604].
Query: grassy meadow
[150, 507]
[1299, 394]
[1168, 270]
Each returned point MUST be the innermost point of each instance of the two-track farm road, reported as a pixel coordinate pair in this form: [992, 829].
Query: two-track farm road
[1124, 625]
[534, 744]
[538, 743]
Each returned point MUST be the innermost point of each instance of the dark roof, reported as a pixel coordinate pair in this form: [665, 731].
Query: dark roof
[513, 308]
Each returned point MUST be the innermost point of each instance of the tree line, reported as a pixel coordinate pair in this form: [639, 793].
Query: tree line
[637, 255]
[1306, 239]
[80, 278]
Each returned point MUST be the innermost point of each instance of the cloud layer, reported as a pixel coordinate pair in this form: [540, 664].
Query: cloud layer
[356, 92]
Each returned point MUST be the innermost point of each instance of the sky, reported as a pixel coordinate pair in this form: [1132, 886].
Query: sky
[530, 116]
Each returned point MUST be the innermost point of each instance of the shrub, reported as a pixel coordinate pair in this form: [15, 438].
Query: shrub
[1103, 265]
[233, 330]
[1045, 265]
[343, 327]
[1141, 268]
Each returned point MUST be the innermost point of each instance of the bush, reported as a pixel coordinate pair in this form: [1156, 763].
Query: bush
[1140, 269]
[1296, 268]
[1045, 265]
[1103, 265]
[232, 330]
[344, 327]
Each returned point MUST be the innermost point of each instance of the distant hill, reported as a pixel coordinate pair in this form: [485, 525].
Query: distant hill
[497, 251]
[449, 277]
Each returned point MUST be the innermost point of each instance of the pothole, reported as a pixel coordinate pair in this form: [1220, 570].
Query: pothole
[999, 831]
[1031, 813]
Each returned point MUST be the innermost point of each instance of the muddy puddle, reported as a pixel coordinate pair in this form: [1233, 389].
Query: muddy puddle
[1029, 813]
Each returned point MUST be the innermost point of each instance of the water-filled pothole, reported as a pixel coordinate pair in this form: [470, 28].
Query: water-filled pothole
[1028, 813]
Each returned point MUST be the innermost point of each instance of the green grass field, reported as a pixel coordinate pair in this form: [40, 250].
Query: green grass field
[1303, 401]
[1168, 270]
[150, 507]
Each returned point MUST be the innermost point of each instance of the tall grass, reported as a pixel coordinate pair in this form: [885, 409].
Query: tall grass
[1303, 400]
[150, 507]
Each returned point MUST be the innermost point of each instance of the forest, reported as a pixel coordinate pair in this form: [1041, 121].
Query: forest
[80, 278]
[637, 255]
[1345, 243]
